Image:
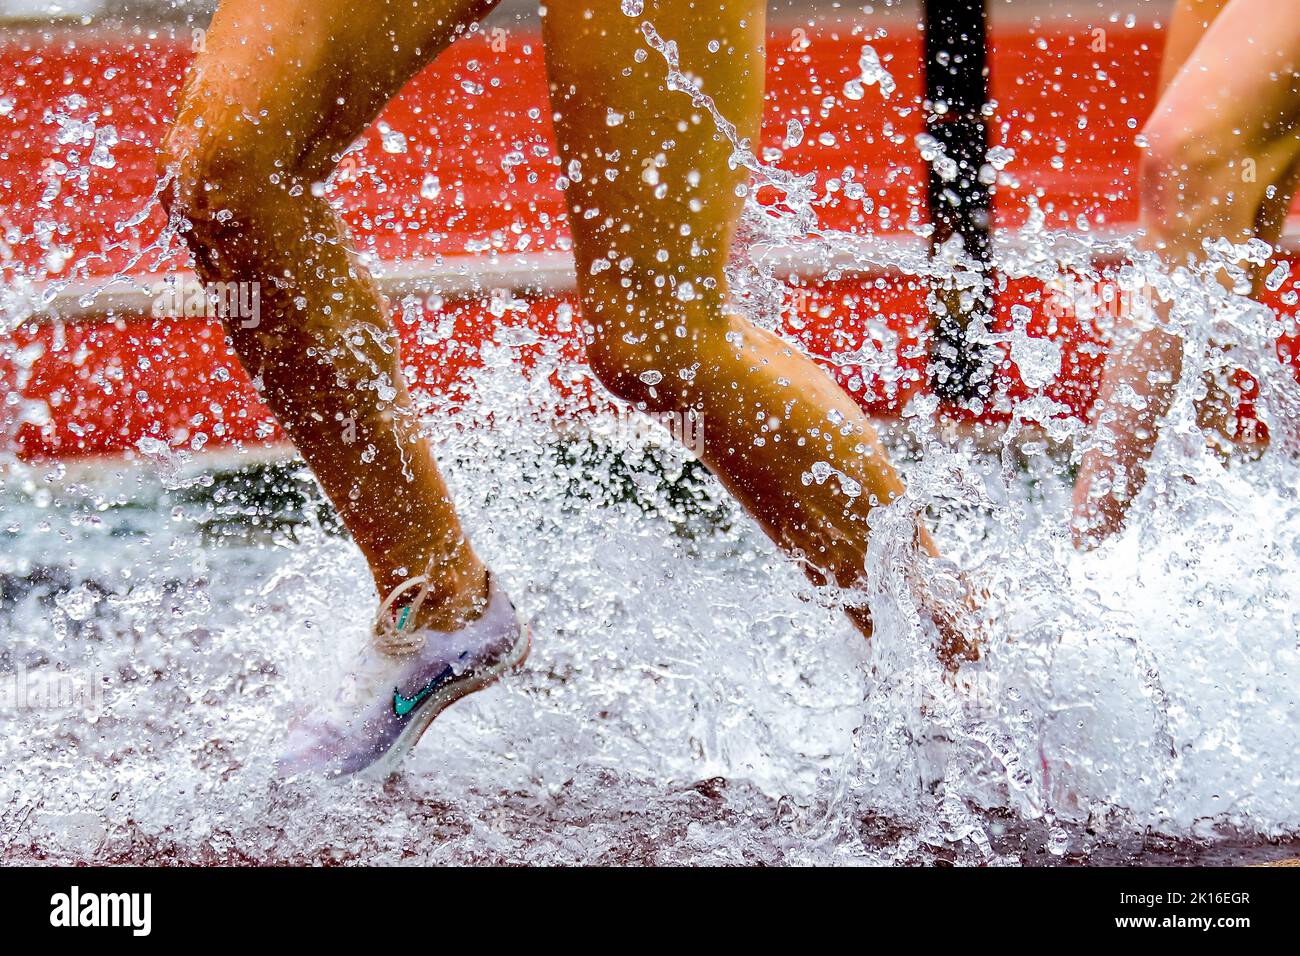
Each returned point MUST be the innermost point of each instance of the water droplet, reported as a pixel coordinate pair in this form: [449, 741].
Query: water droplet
[999, 156]
[871, 72]
[391, 139]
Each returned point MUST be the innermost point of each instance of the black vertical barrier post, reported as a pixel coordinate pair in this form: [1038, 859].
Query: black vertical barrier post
[956, 92]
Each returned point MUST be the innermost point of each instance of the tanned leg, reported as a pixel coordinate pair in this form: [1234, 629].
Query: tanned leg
[282, 89]
[653, 207]
[1235, 98]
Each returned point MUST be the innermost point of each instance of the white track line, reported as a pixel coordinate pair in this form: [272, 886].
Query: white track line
[462, 277]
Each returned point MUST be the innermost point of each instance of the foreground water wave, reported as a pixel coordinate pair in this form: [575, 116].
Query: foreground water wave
[689, 698]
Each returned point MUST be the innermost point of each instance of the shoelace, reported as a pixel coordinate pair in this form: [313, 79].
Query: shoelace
[390, 635]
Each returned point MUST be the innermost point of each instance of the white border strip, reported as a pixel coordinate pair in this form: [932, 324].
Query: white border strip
[460, 277]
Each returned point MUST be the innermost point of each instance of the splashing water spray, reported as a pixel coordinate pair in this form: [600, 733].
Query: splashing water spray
[1147, 685]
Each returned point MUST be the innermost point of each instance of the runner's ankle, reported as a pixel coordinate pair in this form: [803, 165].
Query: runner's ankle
[455, 599]
[454, 594]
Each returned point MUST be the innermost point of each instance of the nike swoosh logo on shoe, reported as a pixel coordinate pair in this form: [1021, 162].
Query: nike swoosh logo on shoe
[404, 705]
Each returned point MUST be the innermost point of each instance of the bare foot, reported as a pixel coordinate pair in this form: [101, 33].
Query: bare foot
[1229, 431]
[954, 616]
[1109, 480]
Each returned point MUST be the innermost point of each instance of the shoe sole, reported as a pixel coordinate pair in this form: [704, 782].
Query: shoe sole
[387, 765]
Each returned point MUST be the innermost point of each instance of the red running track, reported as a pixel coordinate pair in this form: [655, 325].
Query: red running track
[477, 123]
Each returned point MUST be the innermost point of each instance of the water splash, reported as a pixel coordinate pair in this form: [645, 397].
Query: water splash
[691, 697]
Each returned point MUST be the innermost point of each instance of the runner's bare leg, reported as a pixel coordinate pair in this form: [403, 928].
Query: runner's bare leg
[653, 211]
[1234, 97]
[282, 89]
